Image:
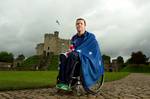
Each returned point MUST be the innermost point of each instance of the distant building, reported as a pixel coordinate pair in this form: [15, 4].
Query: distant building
[5, 65]
[114, 65]
[17, 62]
[107, 65]
[52, 44]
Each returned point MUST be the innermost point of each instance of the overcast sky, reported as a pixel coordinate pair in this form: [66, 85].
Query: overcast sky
[120, 26]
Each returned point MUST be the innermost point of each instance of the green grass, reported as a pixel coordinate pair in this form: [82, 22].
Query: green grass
[147, 73]
[137, 69]
[111, 76]
[11, 80]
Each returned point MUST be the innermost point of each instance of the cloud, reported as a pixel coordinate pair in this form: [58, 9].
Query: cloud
[121, 26]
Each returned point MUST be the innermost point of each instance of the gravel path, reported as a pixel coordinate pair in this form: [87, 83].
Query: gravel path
[134, 86]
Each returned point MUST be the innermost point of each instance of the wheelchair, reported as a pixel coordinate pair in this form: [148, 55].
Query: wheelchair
[77, 85]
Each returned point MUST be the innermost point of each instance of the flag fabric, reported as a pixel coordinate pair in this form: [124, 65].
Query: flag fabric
[90, 56]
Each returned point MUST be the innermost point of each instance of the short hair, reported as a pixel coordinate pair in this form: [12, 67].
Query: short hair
[81, 19]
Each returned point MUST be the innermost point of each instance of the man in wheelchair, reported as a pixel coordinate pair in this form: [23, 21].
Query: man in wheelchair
[84, 49]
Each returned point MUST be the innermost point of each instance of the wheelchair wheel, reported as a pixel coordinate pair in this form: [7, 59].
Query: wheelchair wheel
[96, 87]
[73, 77]
[74, 82]
[78, 89]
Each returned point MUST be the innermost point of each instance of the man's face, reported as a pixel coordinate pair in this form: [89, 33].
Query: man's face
[80, 26]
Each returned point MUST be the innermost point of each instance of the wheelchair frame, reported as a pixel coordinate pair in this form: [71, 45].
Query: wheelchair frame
[79, 83]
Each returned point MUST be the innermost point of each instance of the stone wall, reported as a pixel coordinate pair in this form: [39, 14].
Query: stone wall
[39, 48]
[5, 66]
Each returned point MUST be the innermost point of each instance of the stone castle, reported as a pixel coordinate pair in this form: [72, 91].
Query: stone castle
[52, 45]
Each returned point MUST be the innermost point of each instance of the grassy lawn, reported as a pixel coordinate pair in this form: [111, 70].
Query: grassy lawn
[111, 76]
[10, 80]
[137, 69]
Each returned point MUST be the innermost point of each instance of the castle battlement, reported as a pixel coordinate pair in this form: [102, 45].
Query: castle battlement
[50, 35]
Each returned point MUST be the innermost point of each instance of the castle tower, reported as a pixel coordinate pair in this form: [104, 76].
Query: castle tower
[56, 33]
[53, 44]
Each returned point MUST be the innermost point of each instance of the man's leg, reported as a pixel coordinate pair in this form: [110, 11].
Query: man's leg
[62, 66]
[65, 70]
[71, 60]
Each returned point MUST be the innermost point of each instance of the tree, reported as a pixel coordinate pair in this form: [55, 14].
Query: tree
[106, 59]
[137, 58]
[20, 57]
[6, 57]
[120, 60]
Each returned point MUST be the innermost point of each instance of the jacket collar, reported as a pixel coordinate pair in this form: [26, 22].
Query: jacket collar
[83, 35]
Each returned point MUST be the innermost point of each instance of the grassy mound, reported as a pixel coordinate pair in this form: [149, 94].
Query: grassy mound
[54, 63]
[33, 60]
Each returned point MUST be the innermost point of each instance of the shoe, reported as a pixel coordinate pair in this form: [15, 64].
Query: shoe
[63, 87]
[59, 85]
